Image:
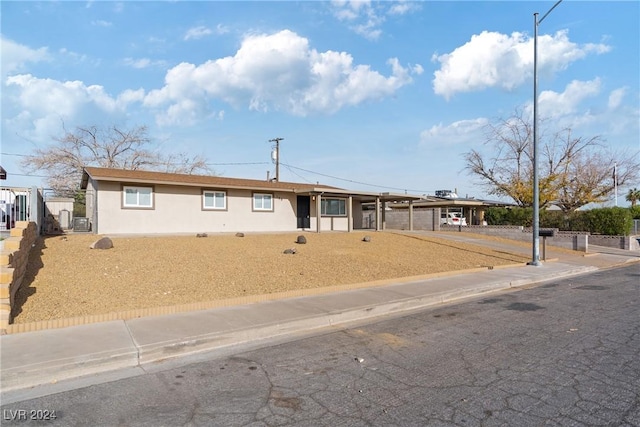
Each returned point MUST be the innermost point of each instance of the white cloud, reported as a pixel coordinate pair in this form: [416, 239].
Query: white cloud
[15, 56]
[369, 29]
[366, 18]
[197, 33]
[350, 9]
[403, 7]
[456, 133]
[615, 97]
[555, 104]
[42, 97]
[101, 23]
[141, 63]
[493, 59]
[72, 56]
[222, 29]
[36, 108]
[276, 72]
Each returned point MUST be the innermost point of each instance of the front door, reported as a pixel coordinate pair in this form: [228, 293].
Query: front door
[304, 212]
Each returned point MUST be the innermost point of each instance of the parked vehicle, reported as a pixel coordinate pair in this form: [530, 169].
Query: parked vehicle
[452, 218]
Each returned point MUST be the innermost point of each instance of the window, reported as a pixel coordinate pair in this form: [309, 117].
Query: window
[262, 202]
[333, 207]
[137, 197]
[214, 200]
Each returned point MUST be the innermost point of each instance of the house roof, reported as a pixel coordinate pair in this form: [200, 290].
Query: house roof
[150, 177]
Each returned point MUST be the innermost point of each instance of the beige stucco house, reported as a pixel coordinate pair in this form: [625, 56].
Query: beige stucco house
[144, 202]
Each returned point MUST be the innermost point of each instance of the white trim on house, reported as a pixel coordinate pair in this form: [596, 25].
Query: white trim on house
[137, 197]
[263, 202]
[218, 199]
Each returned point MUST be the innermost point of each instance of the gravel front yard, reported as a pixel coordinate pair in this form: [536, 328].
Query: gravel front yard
[67, 279]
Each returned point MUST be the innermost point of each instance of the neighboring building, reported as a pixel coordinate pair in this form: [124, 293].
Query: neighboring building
[143, 202]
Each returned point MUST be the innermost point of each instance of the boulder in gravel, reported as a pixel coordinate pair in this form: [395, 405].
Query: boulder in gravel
[102, 243]
[366, 239]
[290, 251]
[301, 240]
[239, 234]
[201, 235]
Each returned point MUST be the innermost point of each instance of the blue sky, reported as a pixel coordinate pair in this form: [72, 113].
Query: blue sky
[375, 96]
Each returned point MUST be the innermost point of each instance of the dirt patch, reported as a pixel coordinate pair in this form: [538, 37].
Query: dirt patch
[67, 279]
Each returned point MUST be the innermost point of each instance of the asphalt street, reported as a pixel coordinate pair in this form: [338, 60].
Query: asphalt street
[562, 353]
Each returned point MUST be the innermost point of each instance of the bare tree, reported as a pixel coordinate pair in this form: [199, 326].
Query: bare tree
[573, 171]
[182, 163]
[509, 171]
[111, 147]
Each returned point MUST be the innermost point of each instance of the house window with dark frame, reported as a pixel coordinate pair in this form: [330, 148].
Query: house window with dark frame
[214, 200]
[263, 202]
[333, 207]
[137, 197]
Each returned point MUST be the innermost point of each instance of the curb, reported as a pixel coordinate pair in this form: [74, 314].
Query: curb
[122, 350]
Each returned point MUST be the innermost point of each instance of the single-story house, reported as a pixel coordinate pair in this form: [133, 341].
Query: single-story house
[144, 202]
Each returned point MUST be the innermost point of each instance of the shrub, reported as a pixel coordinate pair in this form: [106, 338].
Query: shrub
[513, 216]
[608, 221]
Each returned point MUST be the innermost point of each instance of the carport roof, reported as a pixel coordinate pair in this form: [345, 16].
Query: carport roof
[442, 202]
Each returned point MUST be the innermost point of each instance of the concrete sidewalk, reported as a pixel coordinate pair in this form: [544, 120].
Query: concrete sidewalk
[47, 357]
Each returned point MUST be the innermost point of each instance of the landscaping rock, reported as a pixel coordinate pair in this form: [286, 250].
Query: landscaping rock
[201, 235]
[366, 239]
[301, 240]
[103, 243]
[290, 251]
[239, 234]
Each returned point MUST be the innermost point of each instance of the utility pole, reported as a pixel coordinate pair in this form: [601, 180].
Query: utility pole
[276, 156]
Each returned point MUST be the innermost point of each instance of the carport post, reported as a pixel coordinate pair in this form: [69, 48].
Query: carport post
[410, 215]
[378, 220]
[318, 212]
[350, 214]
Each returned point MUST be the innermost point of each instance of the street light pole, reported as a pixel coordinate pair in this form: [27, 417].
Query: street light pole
[536, 189]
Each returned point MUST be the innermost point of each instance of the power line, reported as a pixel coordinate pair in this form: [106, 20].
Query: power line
[297, 174]
[353, 181]
[14, 154]
[172, 163]
[26, 174]
[290, 167]
[230, 164]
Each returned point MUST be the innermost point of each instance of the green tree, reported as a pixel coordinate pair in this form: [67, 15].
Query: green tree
[633, 195]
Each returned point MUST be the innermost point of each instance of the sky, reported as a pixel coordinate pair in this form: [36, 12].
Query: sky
[372, 96]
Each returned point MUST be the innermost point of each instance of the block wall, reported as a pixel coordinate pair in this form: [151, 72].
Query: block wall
[13, 266]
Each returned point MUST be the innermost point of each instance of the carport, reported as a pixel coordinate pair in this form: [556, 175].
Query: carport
[350, 196]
